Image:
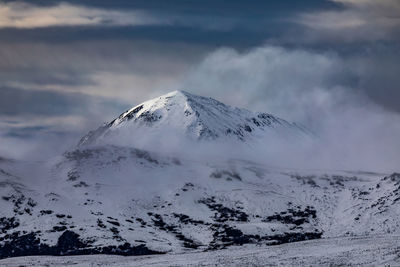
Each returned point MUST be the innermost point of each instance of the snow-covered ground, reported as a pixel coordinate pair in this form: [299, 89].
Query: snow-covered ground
[347, 251]
[107, 196]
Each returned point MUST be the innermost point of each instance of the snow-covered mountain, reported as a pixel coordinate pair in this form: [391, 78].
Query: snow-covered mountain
[185, 115]
[105, 198]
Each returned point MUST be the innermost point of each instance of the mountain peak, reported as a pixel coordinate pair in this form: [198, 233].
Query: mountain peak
[177, 94]
[192, 116]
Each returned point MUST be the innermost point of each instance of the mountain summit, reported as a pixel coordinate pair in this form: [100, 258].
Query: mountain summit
[192, 116]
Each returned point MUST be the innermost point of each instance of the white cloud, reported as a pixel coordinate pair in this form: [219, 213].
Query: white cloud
[331, 20]
[357, 20]
[24, 15]
[269, 79]
[313, 88]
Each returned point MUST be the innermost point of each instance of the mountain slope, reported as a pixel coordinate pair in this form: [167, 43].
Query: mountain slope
[102, 198]
[127, 201]
[182, 114]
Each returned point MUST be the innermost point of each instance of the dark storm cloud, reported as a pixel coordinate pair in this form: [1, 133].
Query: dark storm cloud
[66, 66]
[358, 20]
[39, 123]
[111, 68]
[220, 7]
[73, 57]
[160, 33]
[15, 102]
[25, 132]
[233, 23]
[379, 67]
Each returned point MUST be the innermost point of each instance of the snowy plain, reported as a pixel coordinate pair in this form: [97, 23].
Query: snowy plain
[347, 251]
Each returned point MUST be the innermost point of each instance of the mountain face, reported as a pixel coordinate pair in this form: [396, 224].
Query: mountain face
[104, 198]
[190, 116]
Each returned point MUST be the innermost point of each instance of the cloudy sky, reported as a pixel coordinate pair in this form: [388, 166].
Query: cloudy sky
[67, 66]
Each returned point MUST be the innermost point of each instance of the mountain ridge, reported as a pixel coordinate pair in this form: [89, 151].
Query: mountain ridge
[196, 117]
